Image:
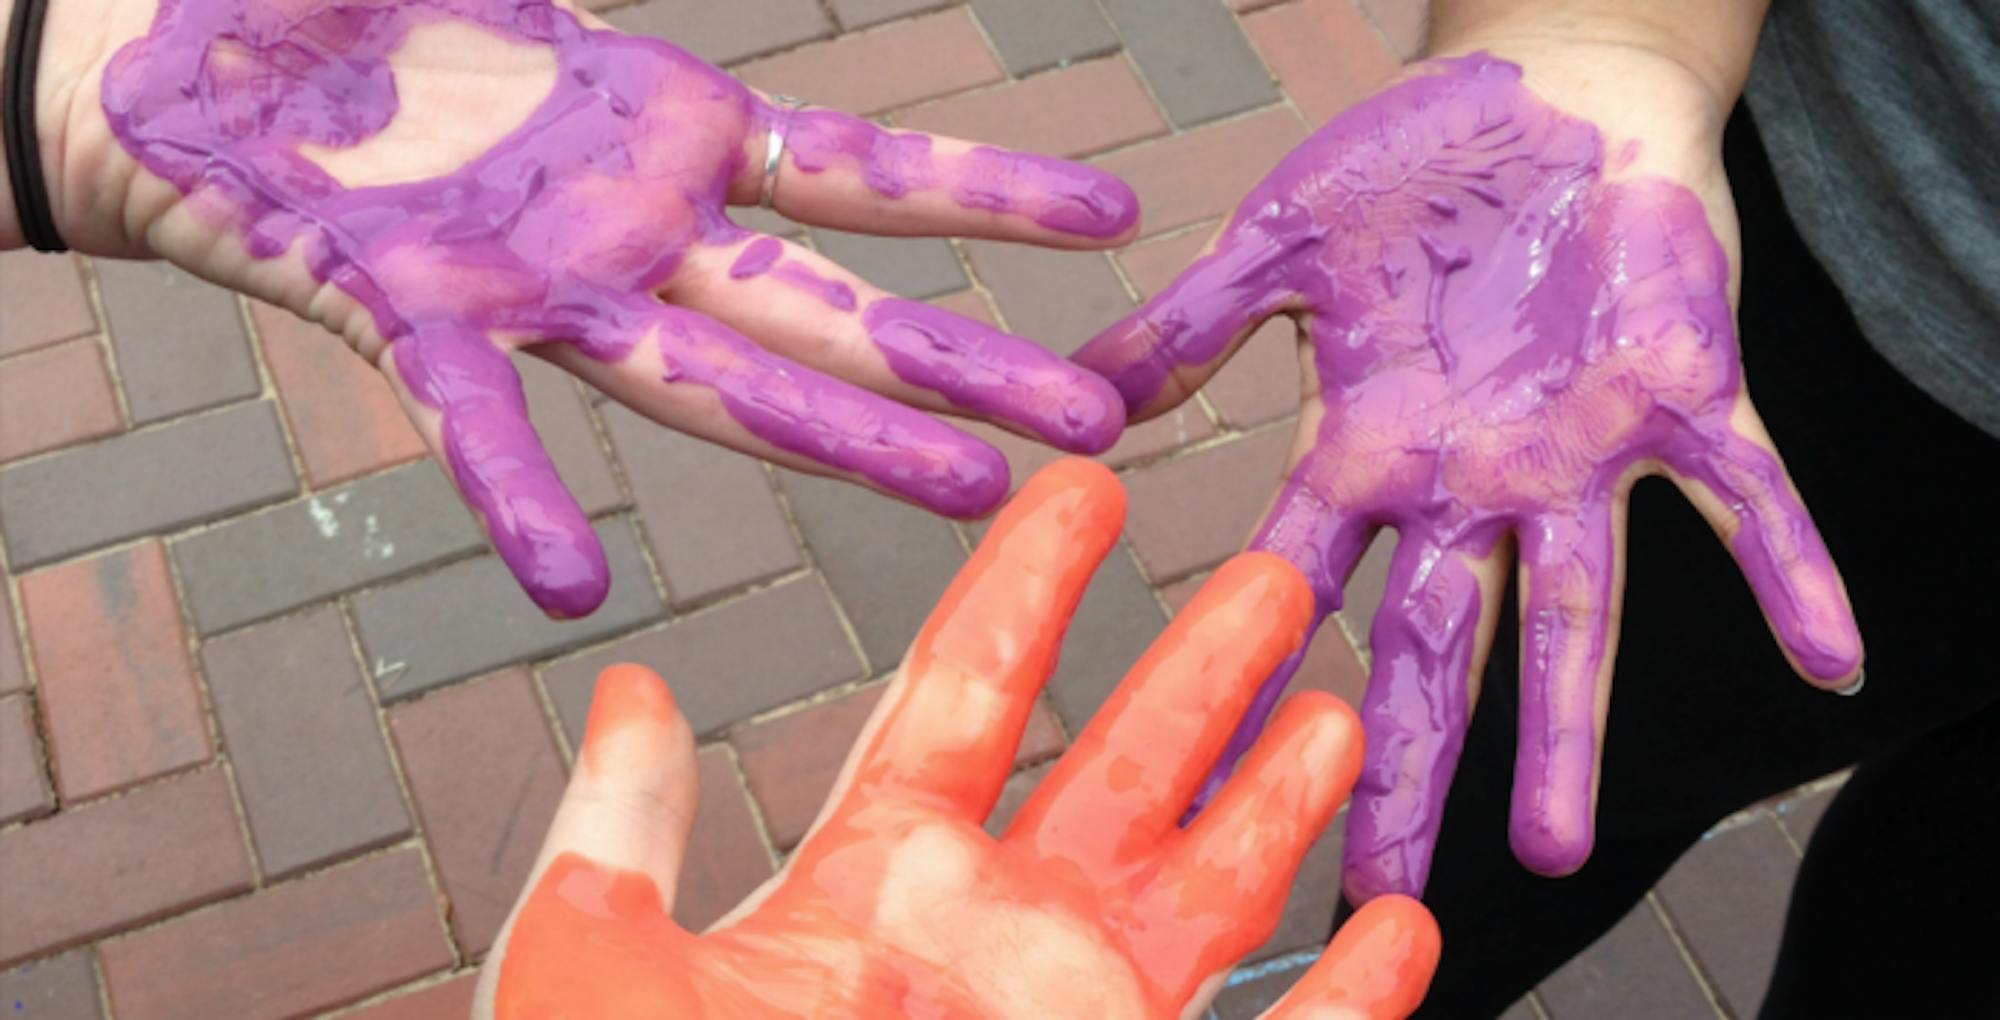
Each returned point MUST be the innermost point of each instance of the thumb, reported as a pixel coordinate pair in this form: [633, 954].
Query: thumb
[1377, 968]
[631, 799]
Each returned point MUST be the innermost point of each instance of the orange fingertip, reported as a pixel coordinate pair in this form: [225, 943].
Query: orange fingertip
[1059, 526]
[1265, 582]
[630, 702]
[1382, 960]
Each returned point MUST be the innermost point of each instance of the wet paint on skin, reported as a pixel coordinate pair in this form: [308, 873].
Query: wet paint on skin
[1054, 193]
[1501, 333]
[757, 259]
[561, 232]
[899, 904]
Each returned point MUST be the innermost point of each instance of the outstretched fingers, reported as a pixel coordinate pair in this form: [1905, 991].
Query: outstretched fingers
[1133, 770]
[1378, 968]
[691, 373]
[800, 305]
[949, 724]
[838, 170]
[1571, 571]
[1223, 882]
[1740, 486]
[1425, 642]
[466, 398]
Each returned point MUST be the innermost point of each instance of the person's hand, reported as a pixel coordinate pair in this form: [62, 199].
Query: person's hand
[897, 903]
[1517, 297]
[445, 181]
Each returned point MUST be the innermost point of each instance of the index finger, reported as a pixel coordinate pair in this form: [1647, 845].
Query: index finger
[948, 727]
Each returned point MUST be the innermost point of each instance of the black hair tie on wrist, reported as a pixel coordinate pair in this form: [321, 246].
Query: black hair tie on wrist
[17, 91]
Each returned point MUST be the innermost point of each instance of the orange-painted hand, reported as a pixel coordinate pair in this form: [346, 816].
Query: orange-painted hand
[1093, 904]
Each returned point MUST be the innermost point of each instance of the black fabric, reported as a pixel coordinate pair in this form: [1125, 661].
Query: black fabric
[23, 152]
[1706, 715]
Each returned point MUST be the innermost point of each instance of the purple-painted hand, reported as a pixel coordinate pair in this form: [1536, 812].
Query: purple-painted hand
[450, 180]
[1504, 334]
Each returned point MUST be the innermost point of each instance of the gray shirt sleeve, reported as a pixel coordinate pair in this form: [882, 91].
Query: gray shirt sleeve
[1882, 121]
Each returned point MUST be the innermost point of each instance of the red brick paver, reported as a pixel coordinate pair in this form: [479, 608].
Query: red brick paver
[54, 397]
[297, 948]
[117, 687]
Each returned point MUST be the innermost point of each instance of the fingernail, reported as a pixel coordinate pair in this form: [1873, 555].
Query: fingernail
[1854, 688]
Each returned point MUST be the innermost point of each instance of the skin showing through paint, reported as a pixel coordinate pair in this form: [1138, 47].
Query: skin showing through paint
[445, 182]
[1093, 903]
[1503, 333]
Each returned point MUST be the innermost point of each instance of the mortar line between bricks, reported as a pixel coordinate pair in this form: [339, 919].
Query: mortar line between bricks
[651, 626]
[551, 719]
[811, 559]
[223, 902]
[1207, 125]
[978, 26]
[1285, 96]
[894, 116]
[103, 982]
[407, 988]
[1686, 955]
[756, 811]
[1383, 36]
[218, 749]
[1536, 1006]
[440, 903]
[93, 292]
[146, 429]
[268, 388]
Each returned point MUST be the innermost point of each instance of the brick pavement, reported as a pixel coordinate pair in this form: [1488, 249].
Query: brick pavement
[278, 737]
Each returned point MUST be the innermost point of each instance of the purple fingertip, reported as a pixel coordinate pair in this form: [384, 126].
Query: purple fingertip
[985, 371]
[1543, 841]
[1066, 197]
[1131, 355]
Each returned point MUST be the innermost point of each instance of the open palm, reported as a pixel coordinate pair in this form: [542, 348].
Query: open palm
[1507, 324]
[1092, 904]
[445, 181]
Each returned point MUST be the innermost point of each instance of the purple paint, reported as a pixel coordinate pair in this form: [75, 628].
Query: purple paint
[1059, 195]
[560, 232]
[983, 370]
[757, 259]
[1500, 333]
[831, 293]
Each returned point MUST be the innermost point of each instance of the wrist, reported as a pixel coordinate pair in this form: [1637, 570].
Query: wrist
[1707, 44]
[73, 143]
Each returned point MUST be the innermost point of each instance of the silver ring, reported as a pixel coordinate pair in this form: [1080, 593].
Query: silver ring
[774, 147]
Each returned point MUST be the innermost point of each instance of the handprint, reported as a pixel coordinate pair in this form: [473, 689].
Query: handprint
[335, 157]
[1507, 326]
[898, 903]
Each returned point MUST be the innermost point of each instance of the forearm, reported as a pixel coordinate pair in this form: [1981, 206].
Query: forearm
[1712, 39]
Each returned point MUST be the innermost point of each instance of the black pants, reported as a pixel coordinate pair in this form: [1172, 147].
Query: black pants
[1893, 914]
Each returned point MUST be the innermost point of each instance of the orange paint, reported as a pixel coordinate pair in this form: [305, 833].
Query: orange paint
[629, 705]
[1095, 903]
[1378, 966]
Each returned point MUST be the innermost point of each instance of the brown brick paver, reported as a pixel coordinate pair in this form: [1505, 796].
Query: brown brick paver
[485, 775]
[117, 689]
[297, 948]
[180, 340]
[882, 68]
[104, 867]
[389, 718]
[45, 301]
[449, 1000]
[310, 763]
[54, 397]
[345, 419]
